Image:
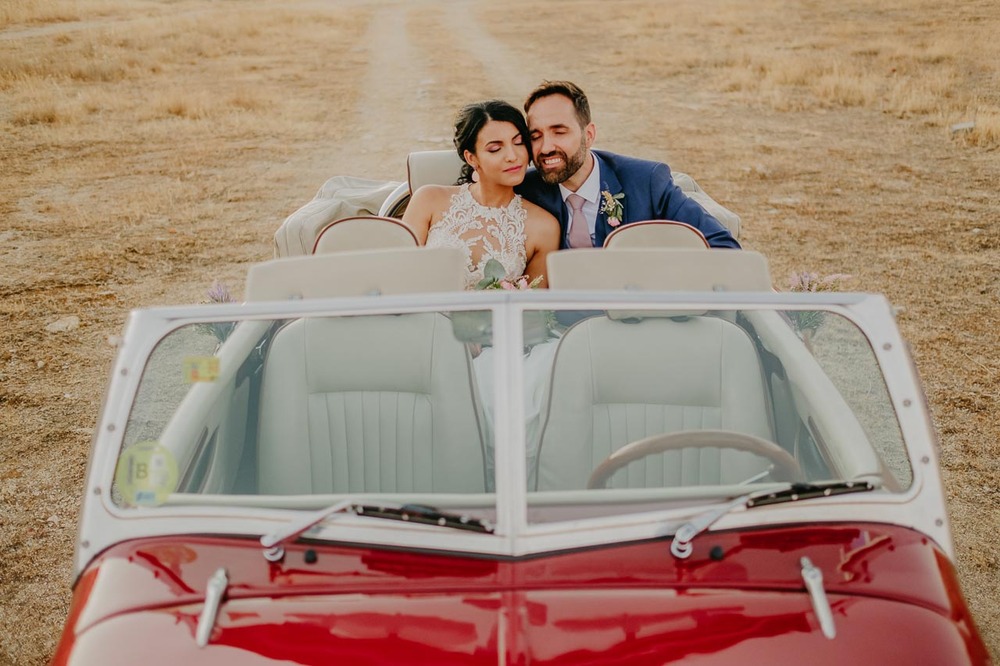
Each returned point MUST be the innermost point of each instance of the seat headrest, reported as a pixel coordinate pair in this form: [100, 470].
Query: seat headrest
[433, 167]
[658, 269]
[363, 232]
[357, 273]
[657, 233]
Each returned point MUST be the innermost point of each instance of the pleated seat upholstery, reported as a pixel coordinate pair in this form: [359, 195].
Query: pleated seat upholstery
[369, 404]
[614, 382]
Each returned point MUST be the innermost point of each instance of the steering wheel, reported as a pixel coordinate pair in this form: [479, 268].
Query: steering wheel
[786, 468]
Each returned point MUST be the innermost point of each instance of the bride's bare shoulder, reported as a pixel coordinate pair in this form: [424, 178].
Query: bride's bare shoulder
[431, 198]
[435, 191]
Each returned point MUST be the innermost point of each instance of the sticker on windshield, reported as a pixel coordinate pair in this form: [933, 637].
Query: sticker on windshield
[146, 474]
[201, 368]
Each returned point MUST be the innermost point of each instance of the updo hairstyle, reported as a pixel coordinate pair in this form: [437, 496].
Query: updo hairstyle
[471, 120]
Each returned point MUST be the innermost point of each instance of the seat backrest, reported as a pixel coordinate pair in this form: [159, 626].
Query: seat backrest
[378, 403]
[433, 167]
[656, 233]
[658, 269]
[614, 382]
[363, 232]
[423, 167]
[358, 273]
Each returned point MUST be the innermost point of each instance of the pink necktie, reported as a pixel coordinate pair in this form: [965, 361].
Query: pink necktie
[579, 233]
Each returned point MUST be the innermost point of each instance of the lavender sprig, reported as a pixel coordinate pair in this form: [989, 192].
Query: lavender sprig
[219, 293]
[811, 320]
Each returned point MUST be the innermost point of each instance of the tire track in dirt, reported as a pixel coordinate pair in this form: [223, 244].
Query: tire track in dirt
[399, 105]
[510, 72]
[403, 106]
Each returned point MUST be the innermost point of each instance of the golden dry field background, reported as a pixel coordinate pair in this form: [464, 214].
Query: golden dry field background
[150, 147]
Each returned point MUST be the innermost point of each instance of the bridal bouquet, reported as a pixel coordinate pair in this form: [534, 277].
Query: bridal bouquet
[537, 323]
[495, 277]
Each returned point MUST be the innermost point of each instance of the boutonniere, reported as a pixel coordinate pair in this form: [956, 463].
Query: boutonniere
[612, 205]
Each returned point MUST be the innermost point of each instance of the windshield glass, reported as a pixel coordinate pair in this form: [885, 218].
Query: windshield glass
[384, 406]
[617, 411]
[628, 409]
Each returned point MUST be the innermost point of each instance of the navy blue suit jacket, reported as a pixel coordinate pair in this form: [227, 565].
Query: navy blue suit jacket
[650, 194]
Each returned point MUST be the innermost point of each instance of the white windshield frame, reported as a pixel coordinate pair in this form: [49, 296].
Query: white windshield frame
[921, 506]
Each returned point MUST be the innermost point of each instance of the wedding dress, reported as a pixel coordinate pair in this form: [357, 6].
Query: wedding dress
[483, 233]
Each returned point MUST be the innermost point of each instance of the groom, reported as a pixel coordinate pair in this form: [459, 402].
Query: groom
[601, 190]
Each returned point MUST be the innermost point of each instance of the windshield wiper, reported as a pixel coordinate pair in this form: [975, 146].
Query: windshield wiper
[425, 515]
[681, 547]
[273, 543]
[795, 492]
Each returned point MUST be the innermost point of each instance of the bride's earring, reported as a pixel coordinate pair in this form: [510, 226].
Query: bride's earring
[475, 175]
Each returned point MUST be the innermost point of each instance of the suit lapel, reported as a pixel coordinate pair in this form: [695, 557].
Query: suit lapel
[550, 198]
[609, 183]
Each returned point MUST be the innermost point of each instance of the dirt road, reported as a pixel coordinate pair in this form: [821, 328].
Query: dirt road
[148, 148]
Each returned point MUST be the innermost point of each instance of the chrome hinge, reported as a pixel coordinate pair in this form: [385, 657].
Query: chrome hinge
[813, 579]
[214, 593]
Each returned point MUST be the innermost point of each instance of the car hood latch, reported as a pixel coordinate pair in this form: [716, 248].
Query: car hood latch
[214, 592]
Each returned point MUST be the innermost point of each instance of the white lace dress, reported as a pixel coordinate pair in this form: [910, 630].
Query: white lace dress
[483, 233]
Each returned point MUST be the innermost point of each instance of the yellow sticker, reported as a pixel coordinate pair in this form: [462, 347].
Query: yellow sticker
[146, 474]
[201, 368]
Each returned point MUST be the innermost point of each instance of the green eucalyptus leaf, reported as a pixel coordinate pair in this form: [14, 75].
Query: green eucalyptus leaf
[494, 270]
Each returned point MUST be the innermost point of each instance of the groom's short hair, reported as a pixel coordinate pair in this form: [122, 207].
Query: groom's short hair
[566, 89]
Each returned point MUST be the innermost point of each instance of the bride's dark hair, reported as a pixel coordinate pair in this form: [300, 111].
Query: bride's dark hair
[470, 122]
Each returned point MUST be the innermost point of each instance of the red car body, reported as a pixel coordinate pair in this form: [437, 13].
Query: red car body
[333, 473]
[895, 599]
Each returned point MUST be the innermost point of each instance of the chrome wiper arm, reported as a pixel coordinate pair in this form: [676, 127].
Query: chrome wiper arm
[802, 491]
[681, 547]
[273, 543]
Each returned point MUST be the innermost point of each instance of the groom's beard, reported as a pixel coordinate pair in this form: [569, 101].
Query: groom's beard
[570, 165]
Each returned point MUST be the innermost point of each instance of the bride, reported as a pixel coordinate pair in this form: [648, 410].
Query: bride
[485, 218]
[482, 215]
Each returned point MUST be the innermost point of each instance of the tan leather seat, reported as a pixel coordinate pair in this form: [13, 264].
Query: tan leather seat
[432, 167]
[369, 404]
[620, 378]
[615, 382]
[363, 232]
[357, 273]
[423, 167]
[658, 269]
[656, 233]
[377, 403]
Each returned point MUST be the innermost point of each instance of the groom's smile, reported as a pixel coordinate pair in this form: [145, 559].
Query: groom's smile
[560, 145]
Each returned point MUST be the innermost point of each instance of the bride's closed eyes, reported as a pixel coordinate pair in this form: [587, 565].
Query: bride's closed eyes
[496, 146]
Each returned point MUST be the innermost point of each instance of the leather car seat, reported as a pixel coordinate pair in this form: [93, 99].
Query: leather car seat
[369, 404]
[363, 232]
[616, 381]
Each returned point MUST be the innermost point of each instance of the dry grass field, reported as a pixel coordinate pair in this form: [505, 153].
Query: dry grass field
[149, 147]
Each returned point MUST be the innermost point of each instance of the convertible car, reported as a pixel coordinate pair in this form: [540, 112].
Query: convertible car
[658, 460]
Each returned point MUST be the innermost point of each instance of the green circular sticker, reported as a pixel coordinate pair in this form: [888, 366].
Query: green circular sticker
[146, 474]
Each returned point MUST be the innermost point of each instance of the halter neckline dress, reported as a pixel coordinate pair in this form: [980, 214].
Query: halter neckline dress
[483, 233]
